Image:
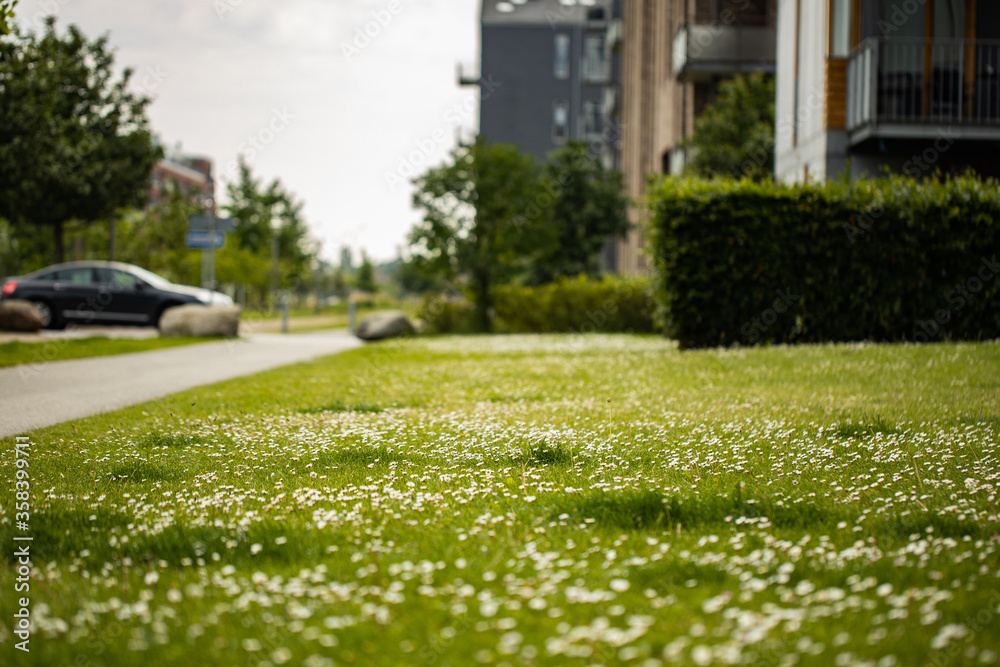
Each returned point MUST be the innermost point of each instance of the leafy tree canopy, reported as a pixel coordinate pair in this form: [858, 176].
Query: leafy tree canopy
[256, 207]
[483, 212]
[75, 142]
[365, 280]
[6, 15]
[734, 137]
[589, 206]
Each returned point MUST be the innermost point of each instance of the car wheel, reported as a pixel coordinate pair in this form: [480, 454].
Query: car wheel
[50, 320]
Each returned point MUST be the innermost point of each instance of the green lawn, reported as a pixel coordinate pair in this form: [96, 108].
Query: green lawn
[58, 349]
[559, 500]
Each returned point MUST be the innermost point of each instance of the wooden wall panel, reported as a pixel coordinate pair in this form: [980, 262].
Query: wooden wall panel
[836, 94]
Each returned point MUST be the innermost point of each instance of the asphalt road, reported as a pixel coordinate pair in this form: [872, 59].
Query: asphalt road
[38, 395]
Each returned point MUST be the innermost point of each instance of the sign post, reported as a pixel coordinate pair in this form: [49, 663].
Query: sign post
[208, 233]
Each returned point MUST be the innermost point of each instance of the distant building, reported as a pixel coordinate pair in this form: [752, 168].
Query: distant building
[628, 76]
[674, 55]
[548, 74]
[870, 84]
[191, 175]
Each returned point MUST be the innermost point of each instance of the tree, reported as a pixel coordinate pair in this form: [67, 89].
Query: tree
[365, 280]
[589, 207]
[735, 135]
[75, 143]
[482, 211]
[254, 206]
[154, 238]
[6, 15]
[339, 283]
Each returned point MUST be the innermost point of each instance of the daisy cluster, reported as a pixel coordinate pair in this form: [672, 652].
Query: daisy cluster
[516, 530]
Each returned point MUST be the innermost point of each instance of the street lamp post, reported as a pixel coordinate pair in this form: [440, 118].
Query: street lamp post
[276, 223]
[208, 254]
[275, 258]
[317, 277]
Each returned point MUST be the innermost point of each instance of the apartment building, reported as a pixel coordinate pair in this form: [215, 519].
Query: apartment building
[547, 74]
[192, 176]
[908, 85]
[627, 76]
[674, 55]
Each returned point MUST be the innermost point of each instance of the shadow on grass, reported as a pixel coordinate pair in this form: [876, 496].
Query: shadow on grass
[341, 406]
[866, 425]
[66, 533]
[137, 471]
[361, 457]
[980, 419]
[644, 511]
[545, 455]
[152, 440]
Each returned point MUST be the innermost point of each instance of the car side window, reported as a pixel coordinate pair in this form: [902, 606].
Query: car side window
[122, 280]
[82, 276]
[116, 280]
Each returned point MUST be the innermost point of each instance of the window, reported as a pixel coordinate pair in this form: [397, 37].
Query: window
[592, 120]
[840, 42]
[560, 121]
[117, 280]
[561, 67]
[593, 58]
[75, 276]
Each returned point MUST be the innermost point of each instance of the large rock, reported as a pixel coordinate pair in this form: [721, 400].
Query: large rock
[384, 325]
[19, 315]
[200, 321]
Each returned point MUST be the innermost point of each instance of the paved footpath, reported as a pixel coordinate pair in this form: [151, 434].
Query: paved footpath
[38, 395]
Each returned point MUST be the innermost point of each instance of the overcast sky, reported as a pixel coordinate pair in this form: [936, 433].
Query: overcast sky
[336, 117]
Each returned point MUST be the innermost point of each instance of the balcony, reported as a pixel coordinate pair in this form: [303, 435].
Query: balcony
[702, 51]
[615, 37]
[904, 88]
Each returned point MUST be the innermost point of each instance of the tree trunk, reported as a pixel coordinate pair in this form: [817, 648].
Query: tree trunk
[111, 238]
[57, 237]
[484, 301]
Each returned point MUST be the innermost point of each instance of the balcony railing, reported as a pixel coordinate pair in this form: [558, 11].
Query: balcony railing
[707, 50]
[897, 85]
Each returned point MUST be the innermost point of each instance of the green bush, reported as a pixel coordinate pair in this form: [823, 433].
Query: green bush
[887, 260]
[571, 305]
[447, 315]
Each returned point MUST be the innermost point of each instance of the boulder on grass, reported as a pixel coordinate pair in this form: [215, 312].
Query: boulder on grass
[200, 321]
[19, 315]
[384, 325]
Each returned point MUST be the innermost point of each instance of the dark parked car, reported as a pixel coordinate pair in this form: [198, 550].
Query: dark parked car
[103, 293]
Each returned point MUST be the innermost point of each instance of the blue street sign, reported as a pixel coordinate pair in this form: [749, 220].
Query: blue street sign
[204, 223]
[199, 239]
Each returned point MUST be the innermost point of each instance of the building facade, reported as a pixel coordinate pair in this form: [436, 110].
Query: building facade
[867, 85]
[674, 55]
[547, 74]
[192, 176]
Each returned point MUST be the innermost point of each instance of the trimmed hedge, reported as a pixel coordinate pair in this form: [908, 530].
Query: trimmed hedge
[739, 262]
[570, 305]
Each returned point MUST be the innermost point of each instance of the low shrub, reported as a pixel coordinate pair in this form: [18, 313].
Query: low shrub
[451, 315]
[570, 305]
[888, 260]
